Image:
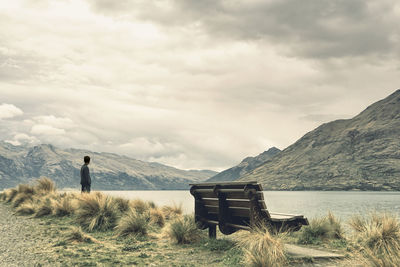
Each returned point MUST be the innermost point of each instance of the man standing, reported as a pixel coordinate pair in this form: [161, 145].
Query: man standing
[85, 176]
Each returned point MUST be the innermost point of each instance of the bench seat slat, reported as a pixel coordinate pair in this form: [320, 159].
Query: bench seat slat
[233, 202]
[205, 193]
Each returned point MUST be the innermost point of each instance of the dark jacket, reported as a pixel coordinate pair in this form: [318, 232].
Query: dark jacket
[85, 176]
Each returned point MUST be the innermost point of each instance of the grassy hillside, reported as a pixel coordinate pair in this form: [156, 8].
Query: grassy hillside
[246, 166]
[362, 153]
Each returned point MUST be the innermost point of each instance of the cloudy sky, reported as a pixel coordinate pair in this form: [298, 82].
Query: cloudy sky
[190, 83]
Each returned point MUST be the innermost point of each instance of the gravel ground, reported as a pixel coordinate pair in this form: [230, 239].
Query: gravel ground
[23, 241]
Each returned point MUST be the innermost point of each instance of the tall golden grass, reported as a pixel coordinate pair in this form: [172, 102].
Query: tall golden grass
[10, 194]
[97, 212]
[3, 196]
[139, 205]
[321, 229]
[64, 206]
[183, 230]
[133, 223]
[26, 189]
[172, 211]
[376, 239]
[45, 185]
[20, 198]
[262, 249]
[45, 207]
[157, 217]
[27, 208]
[77, 235]
[122, 204]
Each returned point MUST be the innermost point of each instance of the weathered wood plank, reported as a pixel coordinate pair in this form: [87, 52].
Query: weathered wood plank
[225, 183]
[206, 193]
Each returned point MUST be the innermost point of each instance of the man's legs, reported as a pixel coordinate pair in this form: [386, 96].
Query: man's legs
[86, 188]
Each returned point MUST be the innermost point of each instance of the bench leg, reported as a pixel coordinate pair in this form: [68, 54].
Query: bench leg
[212, 231]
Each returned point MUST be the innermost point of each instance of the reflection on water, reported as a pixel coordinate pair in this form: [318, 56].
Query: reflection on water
[308, 203]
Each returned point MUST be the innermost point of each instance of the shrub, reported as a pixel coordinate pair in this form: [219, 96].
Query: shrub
[26, 208]
[262, 249]
[76, 234]
[139, 205]
[122, 204]
[157, 217]
[10, 194]
[336, 229]
[64, 207]
[321, 229]
[172, 211]
[183, 230]
[26, 189]
[21, 198]
[3, 196]
[151, 204]
[45, 185]
[376, 240]
[45, 208]
[97, 212]
[133, 223]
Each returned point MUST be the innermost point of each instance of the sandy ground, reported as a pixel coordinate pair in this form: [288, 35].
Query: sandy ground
[23, 240]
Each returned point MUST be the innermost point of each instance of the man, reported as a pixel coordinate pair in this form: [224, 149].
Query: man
[85, 176]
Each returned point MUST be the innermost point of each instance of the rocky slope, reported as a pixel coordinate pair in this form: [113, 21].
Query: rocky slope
[20, 164]
[362, 153]
[244, 167]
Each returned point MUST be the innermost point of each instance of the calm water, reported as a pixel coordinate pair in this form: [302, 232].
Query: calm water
[308, 203]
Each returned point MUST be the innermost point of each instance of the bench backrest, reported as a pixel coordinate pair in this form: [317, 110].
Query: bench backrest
[231, 205]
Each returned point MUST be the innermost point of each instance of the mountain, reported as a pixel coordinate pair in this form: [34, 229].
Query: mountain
[244, 167]
[20, 164]
[362, 153]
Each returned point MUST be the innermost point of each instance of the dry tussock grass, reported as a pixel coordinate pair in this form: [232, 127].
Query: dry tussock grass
[172, 211]
[139, 205]
[45, 207]
[122, 204]
[45, 185]
[97, 212]
[27, 208]
[183, 230]
[262, 249]
[376, 239]
[157, 217]
[64, 207]
[151, 204]
[10, 194]
[3, 196]
[25, 189]
[321, 229]
[133, 223]
[20, 198]
[77, 235]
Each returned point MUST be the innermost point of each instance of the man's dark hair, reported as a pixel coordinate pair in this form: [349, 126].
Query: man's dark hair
[86, 159]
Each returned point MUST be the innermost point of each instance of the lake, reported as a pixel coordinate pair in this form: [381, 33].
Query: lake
[343, 204]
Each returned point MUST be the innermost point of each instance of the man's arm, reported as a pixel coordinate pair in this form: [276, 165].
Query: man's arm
[88, 176]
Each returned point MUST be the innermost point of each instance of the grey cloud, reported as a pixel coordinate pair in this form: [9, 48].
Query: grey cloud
[202, 85]
[310, 28]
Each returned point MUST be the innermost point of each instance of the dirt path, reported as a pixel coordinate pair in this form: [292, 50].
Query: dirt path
[23, 241]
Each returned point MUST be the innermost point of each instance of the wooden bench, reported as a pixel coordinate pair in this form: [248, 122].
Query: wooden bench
[237, 205]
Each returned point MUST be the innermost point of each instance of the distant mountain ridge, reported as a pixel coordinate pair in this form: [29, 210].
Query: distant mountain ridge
[362, 153]
[20, 164]
[244, 167]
